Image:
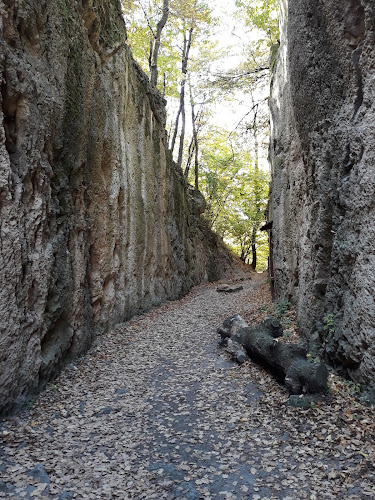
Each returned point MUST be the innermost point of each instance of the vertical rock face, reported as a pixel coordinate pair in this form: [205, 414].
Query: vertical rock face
[96, 224]
[323, 187]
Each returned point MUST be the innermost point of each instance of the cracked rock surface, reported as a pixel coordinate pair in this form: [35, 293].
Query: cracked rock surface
[323, 184]
[157, 410]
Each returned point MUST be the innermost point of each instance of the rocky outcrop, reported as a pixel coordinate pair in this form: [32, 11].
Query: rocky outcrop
[323, 183]
[96, 223]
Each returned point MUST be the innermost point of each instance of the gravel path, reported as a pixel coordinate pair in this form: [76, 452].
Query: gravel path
[156, 410]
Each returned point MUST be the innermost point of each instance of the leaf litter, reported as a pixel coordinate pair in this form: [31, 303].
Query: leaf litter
[157, 410]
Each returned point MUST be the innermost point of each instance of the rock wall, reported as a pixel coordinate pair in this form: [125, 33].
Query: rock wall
[96, 223]
[323, 182]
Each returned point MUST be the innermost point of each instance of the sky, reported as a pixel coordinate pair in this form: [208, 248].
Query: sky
[231, 33]
[232, 36]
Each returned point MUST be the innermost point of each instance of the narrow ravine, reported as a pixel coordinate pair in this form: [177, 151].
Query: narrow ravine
[157, 410]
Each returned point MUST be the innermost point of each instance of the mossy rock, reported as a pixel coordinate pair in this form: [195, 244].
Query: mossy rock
[304, 401]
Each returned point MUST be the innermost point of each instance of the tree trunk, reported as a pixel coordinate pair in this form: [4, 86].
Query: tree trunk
[183, 121]
[174, 137]
[287, 361]
[196, 151]
[190, 157]
[257, 193]
[181, 109]
[254, 256]
[154, 51]
[195, 138]
[164, 83]
[194, 144]
[253, 247]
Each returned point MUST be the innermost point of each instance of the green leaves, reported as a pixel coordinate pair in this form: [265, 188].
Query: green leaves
[261, 15]
[141, 20]
[236, 192]
[226, 165]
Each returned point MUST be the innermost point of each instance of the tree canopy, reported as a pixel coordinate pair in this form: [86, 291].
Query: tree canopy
[236, 191]
[179, 43]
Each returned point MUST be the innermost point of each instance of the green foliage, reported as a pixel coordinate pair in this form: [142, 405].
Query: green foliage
[352, 388]
[230, 176]
[281, 308]
[236, 193]
[312, 359]
[141, 20]
[286, 314]
[329, 325]
[260, 18]
[261, 15]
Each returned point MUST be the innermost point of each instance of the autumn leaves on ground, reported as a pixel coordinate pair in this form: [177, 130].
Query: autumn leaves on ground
[157, 410]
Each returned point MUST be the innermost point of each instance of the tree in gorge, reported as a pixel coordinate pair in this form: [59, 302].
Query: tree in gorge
[236, 190]
[187, 27]
[153, 28]
[156, 34]
[250, 78]
[187, 39]
[194, 76]
[194, 19]
[261, 15]
[155, 44]
[149, 33]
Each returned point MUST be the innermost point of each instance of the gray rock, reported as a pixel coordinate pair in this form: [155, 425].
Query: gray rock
[66, 495]
[97, 224]
[323, 184]
[367, 397]
[199, 200]
[303, 401]
[40, 474]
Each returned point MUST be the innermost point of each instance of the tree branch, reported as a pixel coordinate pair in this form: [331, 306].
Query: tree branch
[242, 75]
[147, 19]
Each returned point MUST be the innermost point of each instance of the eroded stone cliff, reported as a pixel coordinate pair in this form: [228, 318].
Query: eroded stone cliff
[96, 223]
[323, 182]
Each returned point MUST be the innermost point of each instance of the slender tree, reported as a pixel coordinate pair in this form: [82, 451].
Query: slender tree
[155, 46]
[173, 39]
[187, 40]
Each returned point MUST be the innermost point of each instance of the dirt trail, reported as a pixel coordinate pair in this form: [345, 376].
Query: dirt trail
[156, 410]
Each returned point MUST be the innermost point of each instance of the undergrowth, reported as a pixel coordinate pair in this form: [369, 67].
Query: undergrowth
[283, 311]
